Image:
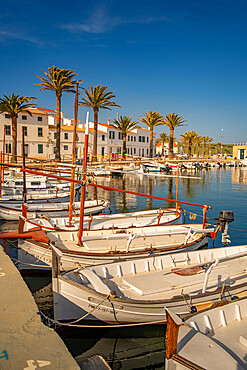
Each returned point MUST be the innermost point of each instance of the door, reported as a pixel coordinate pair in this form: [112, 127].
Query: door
[103, 151]
[241, 153]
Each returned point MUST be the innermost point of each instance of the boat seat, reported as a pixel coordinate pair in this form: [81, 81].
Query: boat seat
[145, 284]
[96, 282]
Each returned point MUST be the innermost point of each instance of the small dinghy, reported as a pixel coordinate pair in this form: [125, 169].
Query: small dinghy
[214, 339]
[138, 290]
[153, 217]
[12, 212]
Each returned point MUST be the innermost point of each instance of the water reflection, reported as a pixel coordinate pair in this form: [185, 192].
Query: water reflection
[136, 347]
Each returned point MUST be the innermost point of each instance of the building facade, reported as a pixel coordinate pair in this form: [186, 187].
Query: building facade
[240, 150]
[40, 137]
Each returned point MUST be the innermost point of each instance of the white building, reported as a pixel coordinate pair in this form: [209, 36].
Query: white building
[40, 136]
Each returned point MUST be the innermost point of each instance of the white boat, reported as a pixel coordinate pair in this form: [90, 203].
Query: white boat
[35, 195]
[109, 245]
[213, 339]
[113, 221]
[12, 211]
[32, 182]
[138, 290]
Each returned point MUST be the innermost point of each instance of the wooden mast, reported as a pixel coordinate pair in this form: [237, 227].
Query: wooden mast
[83, 185]
[72, 186]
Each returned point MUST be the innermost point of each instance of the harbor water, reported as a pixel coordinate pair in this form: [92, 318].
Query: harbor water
[144, 347]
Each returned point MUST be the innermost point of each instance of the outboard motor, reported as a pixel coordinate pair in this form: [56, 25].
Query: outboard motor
[224, 219]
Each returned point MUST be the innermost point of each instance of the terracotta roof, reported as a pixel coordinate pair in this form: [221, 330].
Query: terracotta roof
[48, 110]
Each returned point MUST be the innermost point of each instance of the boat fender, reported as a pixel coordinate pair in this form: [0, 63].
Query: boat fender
[193, 309]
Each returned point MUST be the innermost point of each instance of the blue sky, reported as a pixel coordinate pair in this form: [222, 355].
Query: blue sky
[187, 57]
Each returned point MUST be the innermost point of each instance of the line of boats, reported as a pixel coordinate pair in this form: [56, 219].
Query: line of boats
[128, 267]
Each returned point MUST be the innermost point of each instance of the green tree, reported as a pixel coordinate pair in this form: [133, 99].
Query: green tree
[204, 140]
[125, 124]
[198, 142]
[58, 80]
[163, 138]
[173, 120]
[152, 119]
[97, 97]
[13, 105]
[190, 137]
[210, 139]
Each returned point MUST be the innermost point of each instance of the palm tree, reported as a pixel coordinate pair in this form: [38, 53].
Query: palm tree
[58, 80]
[97, 97]
[13, 105]
[190, 137]
[152, 119]
[163, 139]
[218, 148]
[125, 124]
[204, 140]
[210, 139]
[173, 120]
[198, 142]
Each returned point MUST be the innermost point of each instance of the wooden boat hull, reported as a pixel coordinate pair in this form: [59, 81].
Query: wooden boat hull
[37, 255]
[119, 220]
[12, 212]
[77, 297]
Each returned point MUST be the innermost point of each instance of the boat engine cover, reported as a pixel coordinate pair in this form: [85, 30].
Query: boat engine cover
[226, 216]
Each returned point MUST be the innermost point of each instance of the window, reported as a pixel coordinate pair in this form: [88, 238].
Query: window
[7, 130]
[7, 115]
[66, 136]
[131, 138]
[140, 139]
[128, 138]
[111, 135]
[40, 119]
[25, 130]
[147, 139]
[24, 118]
[55, 135]
[66, 147]
[40, 148]
[103, 139]
[77, 137]
[134, 150]
[147, 152]
[54, 149]
[19, 183]
[8, 148]
[38, 183]
[134, 138]
[40, 131]
[143, 139]
[120, 136]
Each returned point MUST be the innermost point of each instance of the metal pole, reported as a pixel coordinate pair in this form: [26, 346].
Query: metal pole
[3, 153]
[72, 186]
[24, 191]
[83, 186]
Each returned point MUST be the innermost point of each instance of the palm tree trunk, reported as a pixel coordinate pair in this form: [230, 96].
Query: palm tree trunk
[124, 144]
[58, 118]
[189, 149]
[95, 134]
[198, 150]
[151, 142]
[14, 138]
[171, 143]
[204, 150]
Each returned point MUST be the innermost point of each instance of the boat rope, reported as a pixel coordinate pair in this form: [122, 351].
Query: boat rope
[58, 323]
[89, 313]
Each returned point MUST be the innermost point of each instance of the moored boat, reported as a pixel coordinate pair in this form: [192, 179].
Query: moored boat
[213, 339]
[12, 212]
[109, 245]
[139, 290]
